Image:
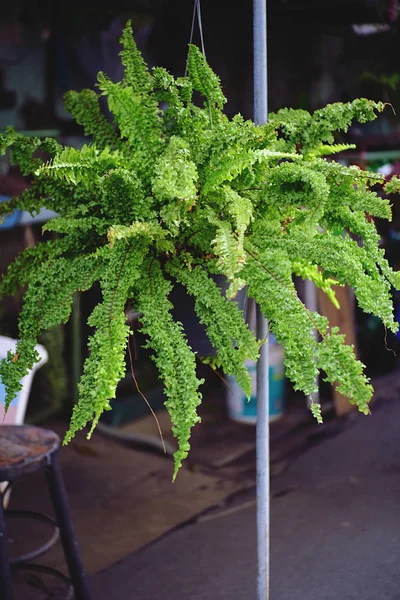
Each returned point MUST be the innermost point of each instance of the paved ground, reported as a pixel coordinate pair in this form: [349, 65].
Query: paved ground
[335, 531]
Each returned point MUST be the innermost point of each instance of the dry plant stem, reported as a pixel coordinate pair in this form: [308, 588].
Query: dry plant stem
[144, 397]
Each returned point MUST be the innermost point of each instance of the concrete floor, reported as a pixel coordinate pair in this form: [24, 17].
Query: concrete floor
[335, 531]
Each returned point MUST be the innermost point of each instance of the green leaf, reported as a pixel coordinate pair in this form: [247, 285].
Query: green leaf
[168, 192]
[85, 108]
[315, 408]
[224, 323]
[203, 78]
[173, 356]
[105, 366]
[137, 75]
[343, 369]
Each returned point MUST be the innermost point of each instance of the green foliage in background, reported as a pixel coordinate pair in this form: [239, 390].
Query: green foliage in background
[175, 192]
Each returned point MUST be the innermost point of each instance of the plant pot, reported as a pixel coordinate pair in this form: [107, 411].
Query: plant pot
[184, 312]
[245, 411]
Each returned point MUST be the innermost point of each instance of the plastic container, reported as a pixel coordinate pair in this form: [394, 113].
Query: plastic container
[245, 411]
[11, 220]
[16, 411]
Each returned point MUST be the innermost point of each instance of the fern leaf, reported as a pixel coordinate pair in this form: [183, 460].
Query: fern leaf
[342, 258]
[105, 366]
[173, 357]
[224, 323]
[84, 166]
[338, 361]
[21, 149]
[312, 273]
[137, 75]
[231, 255]
[138, 121]
[392, 186]
[125, 183]
[329, 149]
[151, 231]
[228, 167]
[316, 411]
[44, 307]
[175, 174]
[299, 127]
[68, 225]
[85, 107]
[203, 78]
[290, 321]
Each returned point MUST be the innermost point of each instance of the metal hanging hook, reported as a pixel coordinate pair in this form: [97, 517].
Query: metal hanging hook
[196, 11]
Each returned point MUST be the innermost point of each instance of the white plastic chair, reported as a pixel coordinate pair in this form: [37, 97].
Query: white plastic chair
[17, 409]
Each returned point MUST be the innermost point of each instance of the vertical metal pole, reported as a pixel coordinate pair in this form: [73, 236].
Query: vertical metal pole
[260, 61]
[310, 300]
[58, 495]
[263, 493]
[5, 571]
[76, 347]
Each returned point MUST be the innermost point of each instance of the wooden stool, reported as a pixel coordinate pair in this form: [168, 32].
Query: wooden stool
[26, 449]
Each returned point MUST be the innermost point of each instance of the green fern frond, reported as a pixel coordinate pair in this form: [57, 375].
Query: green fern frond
[137, 75]
[85, 107]
[232, 163]
[45, 306]
[374, 255]
[224, 323]
[315, 408]
[290, 321]
[84, 166]
[175, 174]
[167, 192]
[125, 183]
[392, 186]
[23, 269]
[231, 255]
[371, 290]
[173, 357]
[299, 127]
[153, 232]
[338, 361]
[329, 149]
[105, 366]
[343, 259]
[68, 225]
[21, 149]
[15, 367]
[138, 121]
[203, 78]
[312, 273]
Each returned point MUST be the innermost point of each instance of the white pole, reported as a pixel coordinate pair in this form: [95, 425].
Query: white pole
[311, 302]
[262, 443]
[263, 492]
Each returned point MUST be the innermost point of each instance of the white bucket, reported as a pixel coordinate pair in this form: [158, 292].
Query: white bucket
[245, 411]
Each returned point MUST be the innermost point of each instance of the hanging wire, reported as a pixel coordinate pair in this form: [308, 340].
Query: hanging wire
[200, 27]
[197, 11]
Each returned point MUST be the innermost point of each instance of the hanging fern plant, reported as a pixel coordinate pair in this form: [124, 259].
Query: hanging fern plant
[177, 195]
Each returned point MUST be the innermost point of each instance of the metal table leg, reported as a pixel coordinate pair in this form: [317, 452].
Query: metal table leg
[5, 571]
[67, 531]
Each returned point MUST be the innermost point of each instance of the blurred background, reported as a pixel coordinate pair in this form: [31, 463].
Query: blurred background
[318, 53]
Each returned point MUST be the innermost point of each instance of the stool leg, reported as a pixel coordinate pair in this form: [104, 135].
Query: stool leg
[67, 533]
[5, 571]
